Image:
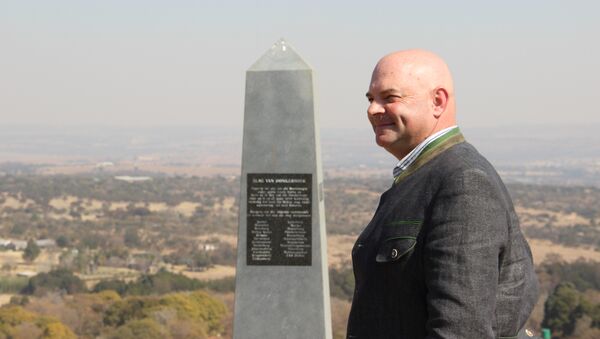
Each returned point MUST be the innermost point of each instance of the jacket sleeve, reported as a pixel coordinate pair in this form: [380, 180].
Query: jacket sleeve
[468, 228]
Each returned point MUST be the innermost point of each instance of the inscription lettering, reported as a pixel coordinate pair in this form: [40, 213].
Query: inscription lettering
[279, 219]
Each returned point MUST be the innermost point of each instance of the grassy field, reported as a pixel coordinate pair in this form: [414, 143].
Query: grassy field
[339, 247]
[532, 217]
[5, 298]
[542, 248]
[12, 262]
[213, 273]
[91, 206]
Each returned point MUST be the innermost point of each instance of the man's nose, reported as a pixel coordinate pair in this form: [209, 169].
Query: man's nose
[375, 108]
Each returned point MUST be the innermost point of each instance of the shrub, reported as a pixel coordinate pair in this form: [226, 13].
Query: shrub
[62, 241]
[565, 306]
[128, 309]
[31, 251]
[159, 283]
[10, 284]
[57, 330]
[200, 312]
[223, 285]
[197, 306]
[341, 283]
[60, 279]
[118, 286]
[142, 328]
[13, 318]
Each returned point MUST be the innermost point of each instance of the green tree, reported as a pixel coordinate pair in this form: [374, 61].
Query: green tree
[562, 309]
[118, 286]
[341, 283]
[123, 311]
[197, 311]
[132, 238]
[31, 251]
[57, 330]
[199, 307]
[595, 315]
[163, 282]
[60, 279]
[62, 241]
[143, 328]
[201, 259]
[14, 319]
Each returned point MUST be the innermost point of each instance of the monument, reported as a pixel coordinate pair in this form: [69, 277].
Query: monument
[282, 284]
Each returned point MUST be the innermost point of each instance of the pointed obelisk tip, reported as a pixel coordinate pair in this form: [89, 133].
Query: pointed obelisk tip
[280, 57]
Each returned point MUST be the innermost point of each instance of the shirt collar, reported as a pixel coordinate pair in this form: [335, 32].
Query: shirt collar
[414, 154]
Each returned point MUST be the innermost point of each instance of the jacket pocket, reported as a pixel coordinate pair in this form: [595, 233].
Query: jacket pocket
[398, 239]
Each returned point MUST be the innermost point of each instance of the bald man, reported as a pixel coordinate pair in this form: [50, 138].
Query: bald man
[443, 256]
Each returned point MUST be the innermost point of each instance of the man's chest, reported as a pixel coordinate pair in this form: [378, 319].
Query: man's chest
[390, 244]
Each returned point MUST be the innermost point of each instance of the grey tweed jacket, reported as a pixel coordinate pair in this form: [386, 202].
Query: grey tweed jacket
[443, 256]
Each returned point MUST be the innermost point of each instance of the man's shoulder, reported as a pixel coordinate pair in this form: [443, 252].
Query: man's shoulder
[463, 166]
[454, 168]
[462, 157]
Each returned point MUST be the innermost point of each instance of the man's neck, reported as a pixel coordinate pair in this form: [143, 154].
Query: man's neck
[411, 156]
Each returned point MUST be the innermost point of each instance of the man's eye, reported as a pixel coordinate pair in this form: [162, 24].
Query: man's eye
[370, 99]
[391, 98]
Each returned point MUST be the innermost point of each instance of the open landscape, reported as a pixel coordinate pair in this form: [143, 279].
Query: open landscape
[132, 233]
[64, 237]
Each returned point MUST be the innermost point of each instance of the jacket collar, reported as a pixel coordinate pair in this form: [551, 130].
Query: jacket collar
[431, 149]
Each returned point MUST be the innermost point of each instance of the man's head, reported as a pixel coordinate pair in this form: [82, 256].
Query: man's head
[411, 97]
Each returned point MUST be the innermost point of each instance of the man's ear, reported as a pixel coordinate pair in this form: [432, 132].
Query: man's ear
[440, 101]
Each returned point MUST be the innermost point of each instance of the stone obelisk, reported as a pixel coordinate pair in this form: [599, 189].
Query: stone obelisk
[282, 284]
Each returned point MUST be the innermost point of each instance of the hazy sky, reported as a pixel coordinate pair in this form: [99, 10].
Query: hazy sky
[183, 62]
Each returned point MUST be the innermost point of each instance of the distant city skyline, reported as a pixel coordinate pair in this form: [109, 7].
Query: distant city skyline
[184, 62]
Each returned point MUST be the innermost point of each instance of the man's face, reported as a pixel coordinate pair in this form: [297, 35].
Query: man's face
[400, 109]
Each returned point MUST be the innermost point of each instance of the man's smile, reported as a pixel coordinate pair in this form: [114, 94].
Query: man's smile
[383, 125]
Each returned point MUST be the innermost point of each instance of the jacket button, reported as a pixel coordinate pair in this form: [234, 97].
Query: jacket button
[394, 253]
